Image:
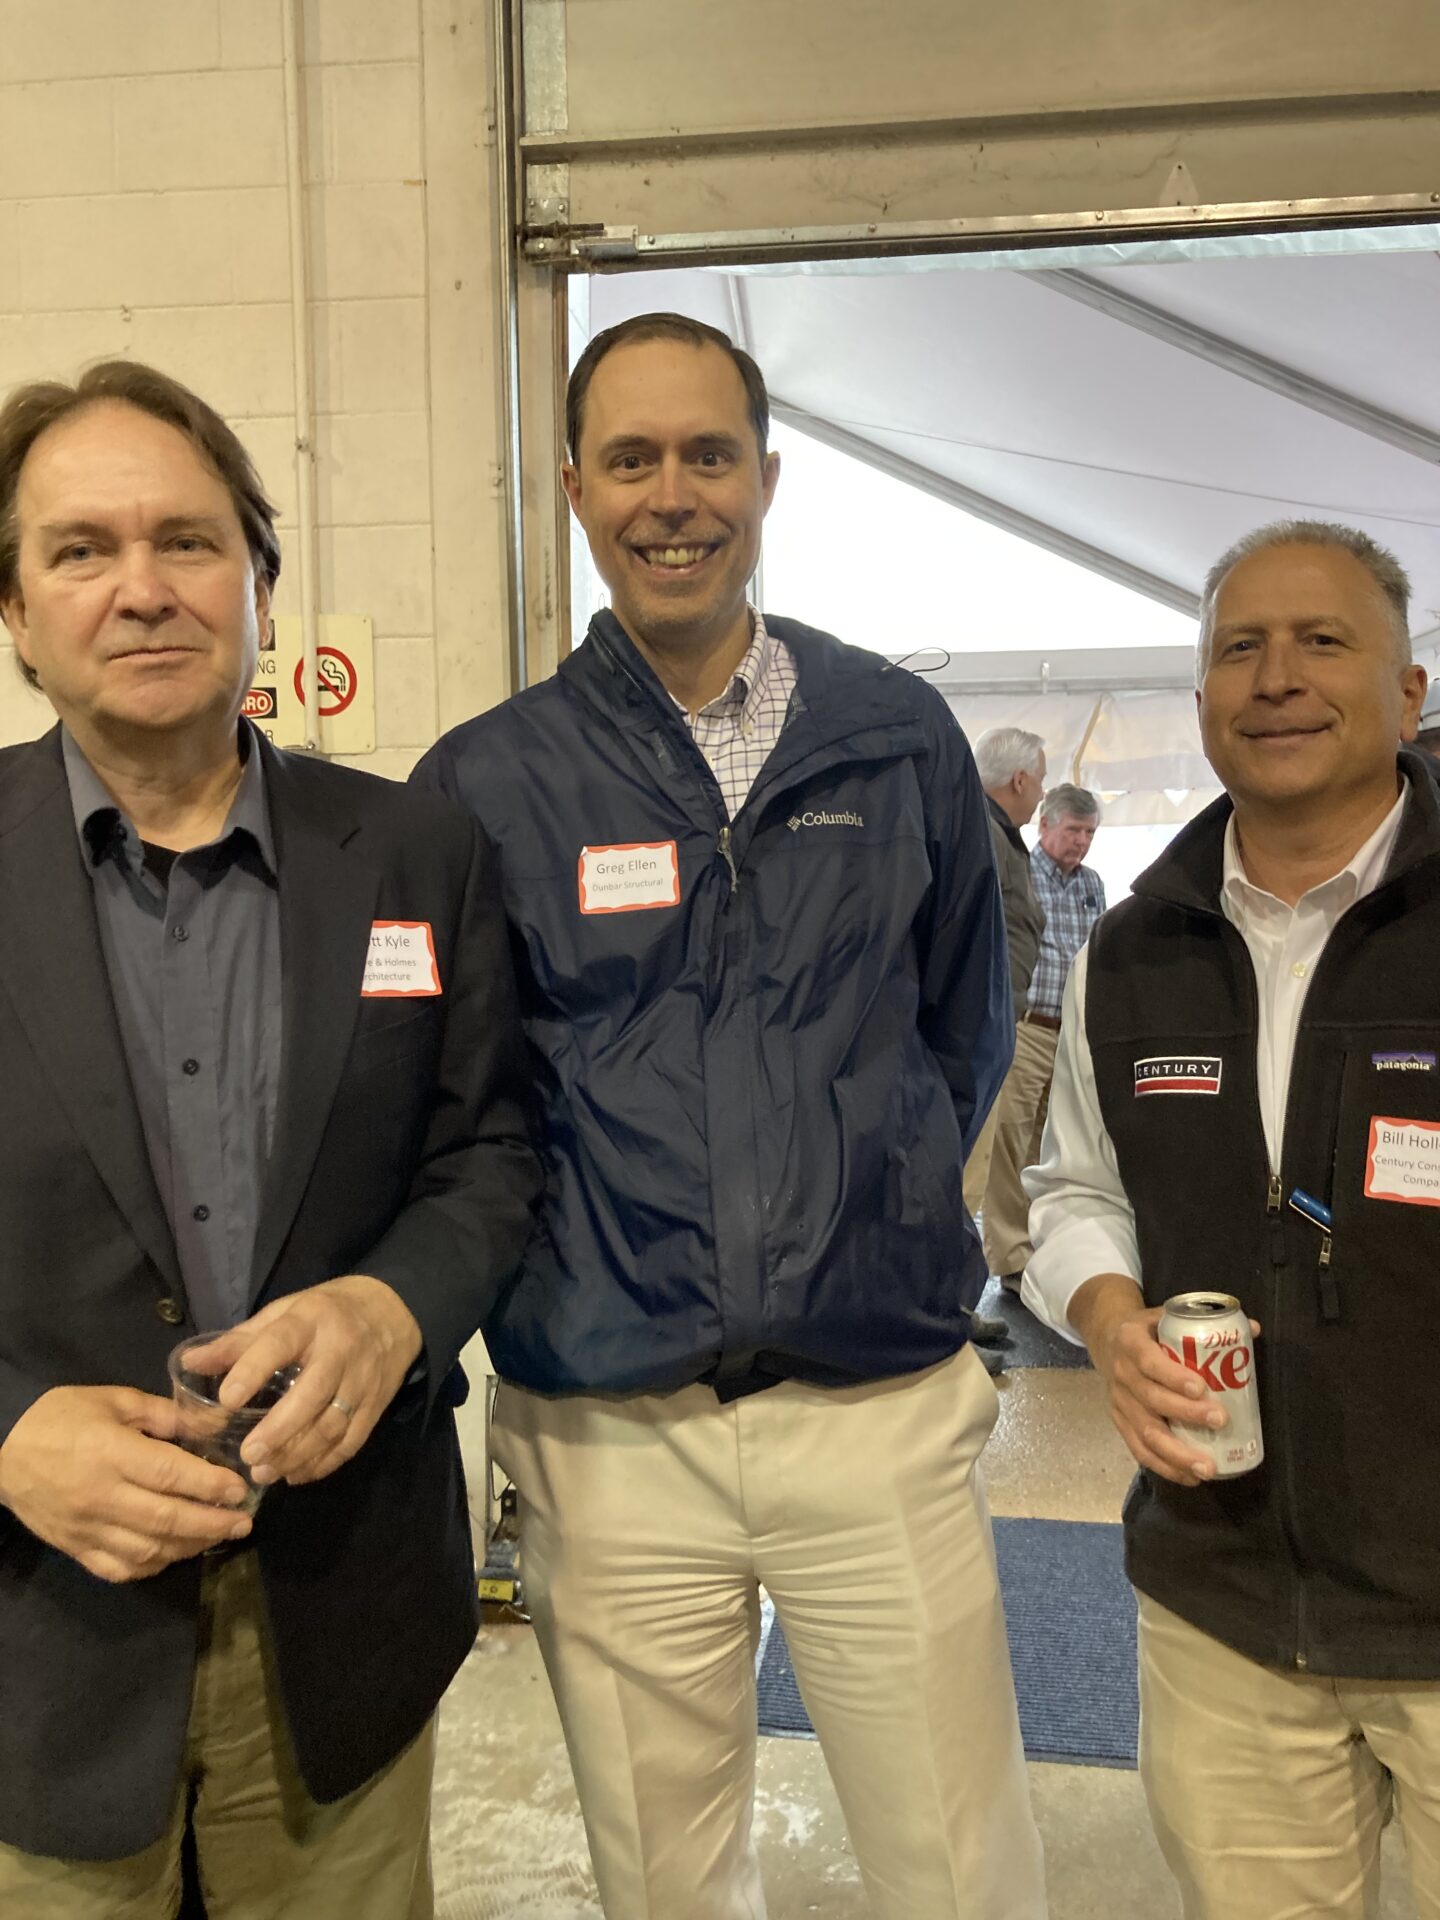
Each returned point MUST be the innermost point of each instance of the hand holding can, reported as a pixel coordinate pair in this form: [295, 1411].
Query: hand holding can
[1210, 1335]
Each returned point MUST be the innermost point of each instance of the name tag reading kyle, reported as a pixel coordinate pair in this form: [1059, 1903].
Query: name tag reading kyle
[627, 879]
[401, 963]
[1403, 1162]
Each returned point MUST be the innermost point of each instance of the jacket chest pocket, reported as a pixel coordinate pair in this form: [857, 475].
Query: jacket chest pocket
[1386, 1152]
[591, 953]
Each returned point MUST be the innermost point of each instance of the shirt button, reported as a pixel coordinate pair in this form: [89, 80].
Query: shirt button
[1299, 969]
[170, 1311]
[202, 1212]
[179, 933]
[189, 1066]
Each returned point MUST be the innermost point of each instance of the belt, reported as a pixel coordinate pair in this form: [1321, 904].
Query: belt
[1049, 1020]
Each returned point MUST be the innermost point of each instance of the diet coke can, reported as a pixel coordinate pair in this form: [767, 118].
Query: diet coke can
[1210, 1334]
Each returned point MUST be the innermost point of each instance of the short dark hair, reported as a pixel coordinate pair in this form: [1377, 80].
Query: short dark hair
[32, 410]
[663, 326]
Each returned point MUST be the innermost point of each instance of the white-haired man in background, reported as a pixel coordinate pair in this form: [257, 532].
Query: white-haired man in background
[1011, 764]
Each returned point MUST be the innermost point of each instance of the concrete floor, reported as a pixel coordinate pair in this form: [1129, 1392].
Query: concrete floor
[508, 1840]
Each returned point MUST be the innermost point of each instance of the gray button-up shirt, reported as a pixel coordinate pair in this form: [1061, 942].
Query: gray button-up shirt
[194, 965]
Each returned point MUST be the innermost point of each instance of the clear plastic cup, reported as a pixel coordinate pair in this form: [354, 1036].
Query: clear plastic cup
[215, 1432]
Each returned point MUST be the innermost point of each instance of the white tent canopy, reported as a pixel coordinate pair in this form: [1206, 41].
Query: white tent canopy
[1134, 418]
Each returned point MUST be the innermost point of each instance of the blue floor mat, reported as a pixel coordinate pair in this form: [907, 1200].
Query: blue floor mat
[1031, 1342]
[1071, 1618]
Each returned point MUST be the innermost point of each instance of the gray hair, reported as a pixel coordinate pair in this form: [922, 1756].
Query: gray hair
[1002, 752]
[1384, 569]
[1070, 803]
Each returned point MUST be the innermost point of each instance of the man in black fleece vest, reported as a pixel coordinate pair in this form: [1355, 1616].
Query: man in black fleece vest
[1289, 1618]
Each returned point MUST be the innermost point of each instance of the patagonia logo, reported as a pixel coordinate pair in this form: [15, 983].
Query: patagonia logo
[798, 820]
[1403, 1062]
[1178, 1073]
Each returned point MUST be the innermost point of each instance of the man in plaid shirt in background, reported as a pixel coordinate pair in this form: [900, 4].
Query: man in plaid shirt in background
[1073, 896]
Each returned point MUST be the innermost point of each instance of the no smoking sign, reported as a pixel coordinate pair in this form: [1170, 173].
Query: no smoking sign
[345, 672]
[337, 679]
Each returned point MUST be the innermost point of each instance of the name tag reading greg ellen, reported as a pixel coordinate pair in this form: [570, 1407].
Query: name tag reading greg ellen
[627, 879]
[401, 963]
[1403, 1162]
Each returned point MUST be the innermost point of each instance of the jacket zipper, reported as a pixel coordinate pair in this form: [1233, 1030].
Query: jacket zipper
[1329, 1290]
[729, 858]
[1274, 1207]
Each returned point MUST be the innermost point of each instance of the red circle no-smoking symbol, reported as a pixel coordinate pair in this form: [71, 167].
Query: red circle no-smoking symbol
[336, 674]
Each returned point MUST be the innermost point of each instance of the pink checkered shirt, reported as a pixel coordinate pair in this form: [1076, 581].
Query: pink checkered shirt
[738, 730]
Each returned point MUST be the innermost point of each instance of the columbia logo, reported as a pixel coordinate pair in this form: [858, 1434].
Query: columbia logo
[847, 819]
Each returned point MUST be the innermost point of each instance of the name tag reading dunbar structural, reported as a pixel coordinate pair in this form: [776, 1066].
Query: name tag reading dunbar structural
[625, 879]
[401, 963]
[1403, 1161]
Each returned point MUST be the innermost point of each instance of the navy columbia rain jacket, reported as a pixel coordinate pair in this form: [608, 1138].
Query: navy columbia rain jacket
[756, 1100]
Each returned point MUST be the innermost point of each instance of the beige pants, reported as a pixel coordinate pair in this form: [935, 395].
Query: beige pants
[1269, 1789]
[1020, 1112]
[977, 1167]
[266, 1850]
[648, 1526]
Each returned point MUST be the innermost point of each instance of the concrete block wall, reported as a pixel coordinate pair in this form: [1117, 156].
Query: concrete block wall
[143, 212]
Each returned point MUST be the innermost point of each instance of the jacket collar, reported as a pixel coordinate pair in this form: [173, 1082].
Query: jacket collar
[1006, 825]
[1191, 871]
[842, 689]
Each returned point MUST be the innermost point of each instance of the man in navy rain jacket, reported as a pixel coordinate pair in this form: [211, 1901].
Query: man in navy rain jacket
[762, 965]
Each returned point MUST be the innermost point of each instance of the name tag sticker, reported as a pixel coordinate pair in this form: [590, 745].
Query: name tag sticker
[401, 963]
[627, 879]
[1403, 1161]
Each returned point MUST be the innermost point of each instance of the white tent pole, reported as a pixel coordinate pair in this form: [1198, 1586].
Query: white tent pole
[1231, 357]
[1108, 565]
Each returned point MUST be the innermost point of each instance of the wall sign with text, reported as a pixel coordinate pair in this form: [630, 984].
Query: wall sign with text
[276, 702]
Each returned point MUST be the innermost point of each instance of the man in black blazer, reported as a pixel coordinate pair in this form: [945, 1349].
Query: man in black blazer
[263, 1073]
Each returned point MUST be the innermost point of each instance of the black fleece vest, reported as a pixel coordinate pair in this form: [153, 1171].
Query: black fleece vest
[1327, 1557]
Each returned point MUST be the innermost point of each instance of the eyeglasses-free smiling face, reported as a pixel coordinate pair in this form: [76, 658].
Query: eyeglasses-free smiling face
[1303, 699]
[671, 490]
[137, 603]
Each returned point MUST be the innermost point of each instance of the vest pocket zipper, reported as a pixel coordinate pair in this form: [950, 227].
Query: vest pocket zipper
[1329, 1289]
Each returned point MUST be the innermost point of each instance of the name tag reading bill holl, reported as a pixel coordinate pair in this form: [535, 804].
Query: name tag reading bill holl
[1403, 1161]
[629, 878]
[400, 963]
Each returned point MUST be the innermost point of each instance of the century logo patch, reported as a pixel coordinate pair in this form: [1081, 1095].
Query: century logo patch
[1178, 1073]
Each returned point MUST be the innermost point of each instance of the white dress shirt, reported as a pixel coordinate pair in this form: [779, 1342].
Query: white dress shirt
[1081, 1223]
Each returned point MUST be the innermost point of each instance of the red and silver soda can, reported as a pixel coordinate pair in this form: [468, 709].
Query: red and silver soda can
[1210, 1334]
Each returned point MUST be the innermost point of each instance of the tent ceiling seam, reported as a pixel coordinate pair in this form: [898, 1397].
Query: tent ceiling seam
[982, 506]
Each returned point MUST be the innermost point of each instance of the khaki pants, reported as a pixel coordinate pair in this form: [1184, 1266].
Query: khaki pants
[977, 1167]
[1020, 1112]
[1269, 1789]
[266, 1851]
[647, 1528]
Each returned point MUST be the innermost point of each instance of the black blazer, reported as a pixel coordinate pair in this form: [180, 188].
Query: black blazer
[401, 1150]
